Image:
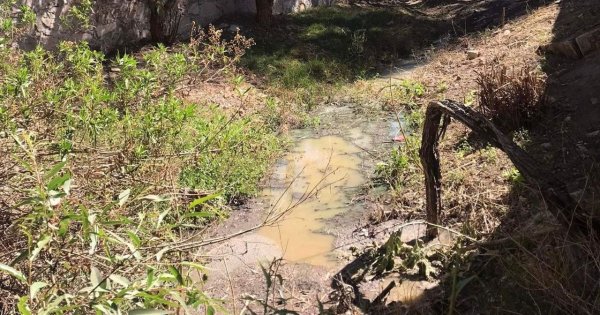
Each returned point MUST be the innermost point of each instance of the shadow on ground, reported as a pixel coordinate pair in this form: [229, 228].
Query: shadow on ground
[358, 38]
[338, 44]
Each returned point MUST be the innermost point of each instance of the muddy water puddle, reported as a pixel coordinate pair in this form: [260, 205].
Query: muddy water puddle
[325, 170]
[321, 173]
[320, 178]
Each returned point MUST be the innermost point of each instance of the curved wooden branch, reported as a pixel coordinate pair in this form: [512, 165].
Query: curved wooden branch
[560, 203]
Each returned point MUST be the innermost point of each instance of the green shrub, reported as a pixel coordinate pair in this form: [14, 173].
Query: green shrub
[109, 169]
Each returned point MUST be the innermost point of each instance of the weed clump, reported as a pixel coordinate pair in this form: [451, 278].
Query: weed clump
[510, 99]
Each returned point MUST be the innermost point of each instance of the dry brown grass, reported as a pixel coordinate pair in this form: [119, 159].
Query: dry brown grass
[479, 192]
[559, 274]
[510, 98]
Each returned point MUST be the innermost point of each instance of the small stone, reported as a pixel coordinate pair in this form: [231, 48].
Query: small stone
[506, 32]
[546, 145]
[472, 54]
[594, 101]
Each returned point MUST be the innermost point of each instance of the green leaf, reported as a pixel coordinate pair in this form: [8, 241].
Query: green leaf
[39, 246]
[53, 304]
[35, 288]
[149, 278]
[148, 312]
[134, 239]
[63, 226]
[210, 310]
[23, 307]
[54, 170]
[116, 238]
[13, 272]
[203, 200]
[175, 272]
[58, 181]
[123, 196]
[177, 297]
[155, 299]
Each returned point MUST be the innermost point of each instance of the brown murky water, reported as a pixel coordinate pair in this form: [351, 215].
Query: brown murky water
[332, 165]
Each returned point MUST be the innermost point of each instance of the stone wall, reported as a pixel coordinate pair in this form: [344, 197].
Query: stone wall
[118, 23]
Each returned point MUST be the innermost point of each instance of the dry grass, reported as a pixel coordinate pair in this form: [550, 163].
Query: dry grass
[511, 99]
[477, 191]
[560, 275]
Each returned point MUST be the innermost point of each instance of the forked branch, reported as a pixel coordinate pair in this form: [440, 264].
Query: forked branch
[567, 211]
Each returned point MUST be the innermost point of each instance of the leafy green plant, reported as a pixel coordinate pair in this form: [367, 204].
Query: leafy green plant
[79, 15]
[237, 156]
[358, 40]
[109, 170]
[514, 176]
[464, 148]
[397, 255]
[406, 95]
[489, 154]
[107, 260]
[390, 172]
[470, 98]
[15, 21]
